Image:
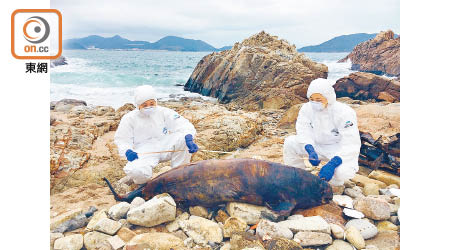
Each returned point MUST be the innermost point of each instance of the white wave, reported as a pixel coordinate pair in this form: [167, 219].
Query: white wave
[78, 65]
[113, 96]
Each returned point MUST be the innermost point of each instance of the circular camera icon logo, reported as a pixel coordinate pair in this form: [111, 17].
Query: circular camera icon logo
[36, 29]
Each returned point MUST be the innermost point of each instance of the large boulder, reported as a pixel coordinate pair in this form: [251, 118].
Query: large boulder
[260, 72]
[380, 55]
[364, 86]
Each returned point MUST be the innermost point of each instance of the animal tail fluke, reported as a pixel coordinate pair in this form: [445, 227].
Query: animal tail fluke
[128, 197]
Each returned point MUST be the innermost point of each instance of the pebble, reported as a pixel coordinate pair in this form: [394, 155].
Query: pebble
[54, 237]
[270, 230]
[353, 192]
[366, 228]
[116, 242]
[174, 225]
[339, 245]
[353, 236]
[71, 242]
[312, 238]
[125, 234]
[155, 240]
[353, 213]
[96, 218]
[160, 209]
[337, 231]
[199, 211]
[221, 216]
[107, 226]
[233, 224]
[386, 225]
[119, 211]
[94, 240]
[202, 230]
[373, 208]
[371, 189]
[136, 202]
[313, 223]
[343, 201]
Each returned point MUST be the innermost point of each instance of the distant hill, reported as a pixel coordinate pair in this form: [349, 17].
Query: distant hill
[344, 43]
[225, 48]
[171, 43]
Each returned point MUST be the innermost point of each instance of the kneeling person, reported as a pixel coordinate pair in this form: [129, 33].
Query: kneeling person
[326, 130]
[152, 128]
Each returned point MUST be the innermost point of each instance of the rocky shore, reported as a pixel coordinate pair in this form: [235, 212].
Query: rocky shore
[260, 84]
[82, 152]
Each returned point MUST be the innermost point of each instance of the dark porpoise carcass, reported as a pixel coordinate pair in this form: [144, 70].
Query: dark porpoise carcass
[212, 182]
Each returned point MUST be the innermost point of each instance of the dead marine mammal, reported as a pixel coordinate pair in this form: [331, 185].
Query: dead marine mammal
[212, 182]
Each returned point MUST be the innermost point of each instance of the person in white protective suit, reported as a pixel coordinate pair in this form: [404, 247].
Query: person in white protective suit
[152, 128]
[326, 130]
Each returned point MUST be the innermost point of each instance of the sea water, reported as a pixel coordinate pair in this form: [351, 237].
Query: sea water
[109, 77]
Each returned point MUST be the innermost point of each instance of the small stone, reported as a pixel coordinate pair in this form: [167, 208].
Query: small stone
[312, 238]
[116, 242]
[267, 229]
[343, 201]
[155, 240]
[296, 217]
[54, 237]
[126, 234]
[362, 180]
[371, 189]
[386, 225]
[58, 220]
[118, 211]
[339, 245]
[386, 240]
[353, 192]
[373, 208]
[242, 240]
[233, 224]
[282, 244]
[174, 225]
[337, 231]
[221, 216]
[199, 211]
[331, 213]
[161, 208]
[94, 240]
[71, 242]
[353, 236]
[353, 213]
[107, 226]
[136, 202]
[365, 227]
[385, 177]
[96, 218]
[202, 230]
[313, 223]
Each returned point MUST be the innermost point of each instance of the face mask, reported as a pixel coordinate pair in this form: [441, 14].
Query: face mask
[317, 106]
[148, 111]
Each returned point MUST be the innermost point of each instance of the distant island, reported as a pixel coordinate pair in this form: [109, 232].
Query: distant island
[344, 43]
[171, 43]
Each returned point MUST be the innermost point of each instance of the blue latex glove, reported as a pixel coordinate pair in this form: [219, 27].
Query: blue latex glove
[131, 155]
[327, 170]
[190, 144]
[313, 157]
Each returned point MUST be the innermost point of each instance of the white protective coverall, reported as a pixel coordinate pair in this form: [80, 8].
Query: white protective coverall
[332, 132]
[162, 130]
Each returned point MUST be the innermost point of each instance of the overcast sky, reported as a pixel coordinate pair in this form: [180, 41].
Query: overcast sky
[225, 22]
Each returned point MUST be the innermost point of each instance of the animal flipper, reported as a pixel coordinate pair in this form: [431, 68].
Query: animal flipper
[284, 208]
[128, 197]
